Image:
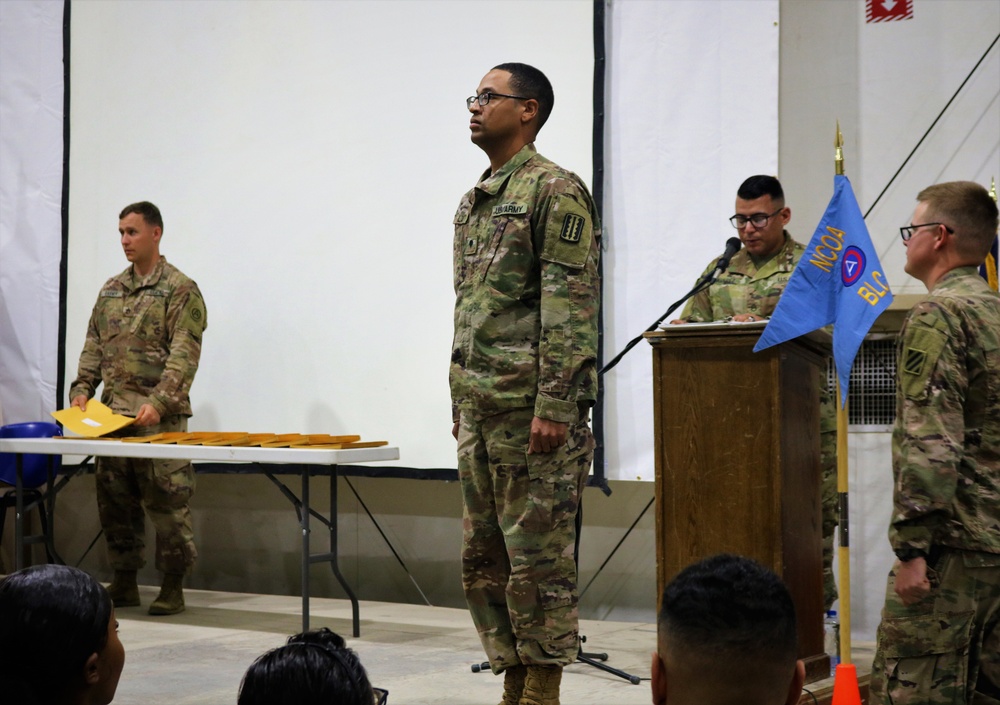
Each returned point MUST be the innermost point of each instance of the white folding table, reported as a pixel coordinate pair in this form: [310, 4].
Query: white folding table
[308, 461]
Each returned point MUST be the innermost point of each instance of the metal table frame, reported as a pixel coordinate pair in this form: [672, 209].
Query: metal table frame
[306, 459]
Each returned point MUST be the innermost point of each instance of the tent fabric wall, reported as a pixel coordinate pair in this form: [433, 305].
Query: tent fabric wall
[31, 175]
[685, 128]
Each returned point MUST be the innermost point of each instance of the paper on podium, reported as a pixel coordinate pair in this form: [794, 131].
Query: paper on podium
[98, 420]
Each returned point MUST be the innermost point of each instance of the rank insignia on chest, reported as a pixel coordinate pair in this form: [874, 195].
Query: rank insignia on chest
[913, 361]
[572, 227]
[470, 246]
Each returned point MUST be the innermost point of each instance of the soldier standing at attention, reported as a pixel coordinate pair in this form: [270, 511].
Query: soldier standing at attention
[523, 378]
[749, 291]
[939, 640]
[144, 342]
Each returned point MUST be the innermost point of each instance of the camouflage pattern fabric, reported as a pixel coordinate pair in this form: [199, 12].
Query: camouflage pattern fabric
[144, 342]
[945, 649]
[164, 488]
[518, 568]
[527, 243]
[946, 442]
[746, 287]
[527, 292]
[946, 498]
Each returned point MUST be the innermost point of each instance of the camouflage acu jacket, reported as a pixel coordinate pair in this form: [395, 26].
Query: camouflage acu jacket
[743, 288]
[527, 242]
[946, 442]
[144, 342]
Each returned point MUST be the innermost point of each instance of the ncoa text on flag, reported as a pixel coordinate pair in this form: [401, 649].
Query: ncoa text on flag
[839, 280]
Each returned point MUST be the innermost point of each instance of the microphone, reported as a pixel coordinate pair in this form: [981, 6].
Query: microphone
[733, 246]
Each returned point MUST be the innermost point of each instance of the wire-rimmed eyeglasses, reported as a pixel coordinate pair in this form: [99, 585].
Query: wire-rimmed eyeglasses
[907, 231]
[759, 220]
[381, 696]
[484, 98]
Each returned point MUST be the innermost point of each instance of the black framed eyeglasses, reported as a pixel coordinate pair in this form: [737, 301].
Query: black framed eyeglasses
[907, 231]
[381, 696]
[485, 97]
[759, 220]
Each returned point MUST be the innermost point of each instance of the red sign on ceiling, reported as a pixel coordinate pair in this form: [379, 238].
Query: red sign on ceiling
[884, 10]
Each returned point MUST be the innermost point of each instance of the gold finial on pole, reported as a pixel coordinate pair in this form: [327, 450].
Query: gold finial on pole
[993, 187]
[838, 155]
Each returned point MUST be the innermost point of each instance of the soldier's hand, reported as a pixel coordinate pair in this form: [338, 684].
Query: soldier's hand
[912, 584]
[79, 400]
[454, 430]
[546, 435]
[147, 416]
[747, 318]
[677, 321]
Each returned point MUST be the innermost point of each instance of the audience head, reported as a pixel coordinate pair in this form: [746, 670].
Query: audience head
[313, 668]
[58, 638]
[727, 634]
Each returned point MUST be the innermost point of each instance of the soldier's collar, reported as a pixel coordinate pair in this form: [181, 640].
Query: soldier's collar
[491, 184]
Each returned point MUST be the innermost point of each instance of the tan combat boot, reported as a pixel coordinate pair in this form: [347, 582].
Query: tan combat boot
[171, 597]
[541, 685]
[513, 684]
[123, 590]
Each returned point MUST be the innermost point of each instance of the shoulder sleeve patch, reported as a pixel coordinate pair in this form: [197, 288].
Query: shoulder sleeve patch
[569, 231]
[921, 350]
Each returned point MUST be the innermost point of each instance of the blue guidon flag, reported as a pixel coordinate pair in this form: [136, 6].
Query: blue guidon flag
[839, 280]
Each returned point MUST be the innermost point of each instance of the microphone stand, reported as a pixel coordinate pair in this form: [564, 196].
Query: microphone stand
[702, 284]
[591, 658]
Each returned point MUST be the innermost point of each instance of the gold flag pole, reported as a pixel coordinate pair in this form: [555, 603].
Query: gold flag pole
[844, 552]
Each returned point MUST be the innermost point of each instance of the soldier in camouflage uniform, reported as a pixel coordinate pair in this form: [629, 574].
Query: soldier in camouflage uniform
[749, 291]
[939, 640]
[523, 378]
[144, 342]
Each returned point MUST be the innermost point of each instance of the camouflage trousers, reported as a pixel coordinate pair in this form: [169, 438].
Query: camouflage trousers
[830, 504]
[945, 648]
[164, 487]
[829, 499]
[518, 566]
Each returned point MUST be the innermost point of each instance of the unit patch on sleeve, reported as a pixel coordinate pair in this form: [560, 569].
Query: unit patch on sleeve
[914, 361]
[572, 227]
[569, 233]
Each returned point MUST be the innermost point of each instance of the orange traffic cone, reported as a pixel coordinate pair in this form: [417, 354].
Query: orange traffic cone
[845, 685]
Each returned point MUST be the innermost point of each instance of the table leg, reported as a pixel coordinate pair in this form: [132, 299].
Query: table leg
[333, 555]
[305, 548]
[18, 513]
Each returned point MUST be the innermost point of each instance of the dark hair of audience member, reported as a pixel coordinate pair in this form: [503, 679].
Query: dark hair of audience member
[56, 628]
[313, 668]
[731, 610]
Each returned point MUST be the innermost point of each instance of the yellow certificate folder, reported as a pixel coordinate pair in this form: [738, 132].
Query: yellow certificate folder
[98, 420]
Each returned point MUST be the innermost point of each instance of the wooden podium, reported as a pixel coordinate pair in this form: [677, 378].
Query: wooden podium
[737, 460]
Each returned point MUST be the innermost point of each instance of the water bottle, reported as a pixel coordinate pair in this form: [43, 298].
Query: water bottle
[831, 639]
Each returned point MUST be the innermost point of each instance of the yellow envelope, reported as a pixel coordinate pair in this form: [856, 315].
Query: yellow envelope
[98, 420]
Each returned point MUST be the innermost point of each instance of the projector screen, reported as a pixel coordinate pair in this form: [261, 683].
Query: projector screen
[308, 158]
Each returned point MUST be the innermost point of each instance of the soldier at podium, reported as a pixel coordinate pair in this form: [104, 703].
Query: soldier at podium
[749, 291]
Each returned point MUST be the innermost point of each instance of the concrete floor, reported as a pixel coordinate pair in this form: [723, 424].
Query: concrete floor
[422, 655]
